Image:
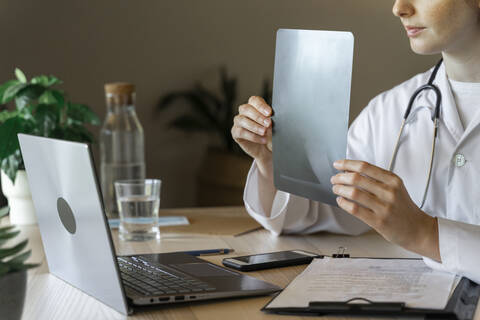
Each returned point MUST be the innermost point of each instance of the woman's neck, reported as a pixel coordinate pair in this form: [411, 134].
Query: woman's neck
[462, 63]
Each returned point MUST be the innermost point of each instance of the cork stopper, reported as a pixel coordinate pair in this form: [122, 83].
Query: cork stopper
[120, 94]
[119, 88]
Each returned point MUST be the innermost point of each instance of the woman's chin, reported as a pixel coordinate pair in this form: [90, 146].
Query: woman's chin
[422, 48]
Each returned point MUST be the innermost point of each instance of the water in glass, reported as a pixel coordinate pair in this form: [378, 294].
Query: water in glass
[138, 202]
[139, 217]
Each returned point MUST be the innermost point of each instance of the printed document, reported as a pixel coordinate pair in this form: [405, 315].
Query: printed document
[378, 280]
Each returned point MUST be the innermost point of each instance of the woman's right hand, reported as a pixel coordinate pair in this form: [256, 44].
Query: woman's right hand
[252, 130]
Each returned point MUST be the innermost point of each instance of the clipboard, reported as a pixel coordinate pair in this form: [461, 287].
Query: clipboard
[461, 305]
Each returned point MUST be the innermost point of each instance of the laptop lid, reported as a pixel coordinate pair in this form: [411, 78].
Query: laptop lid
[70, 215]
[311, 100]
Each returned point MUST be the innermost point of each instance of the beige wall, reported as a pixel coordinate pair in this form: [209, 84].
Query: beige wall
[164, 45]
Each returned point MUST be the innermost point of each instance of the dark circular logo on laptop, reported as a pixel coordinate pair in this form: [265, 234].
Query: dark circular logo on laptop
[66, 215]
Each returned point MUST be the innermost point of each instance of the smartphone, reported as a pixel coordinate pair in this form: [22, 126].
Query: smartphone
[270, 260]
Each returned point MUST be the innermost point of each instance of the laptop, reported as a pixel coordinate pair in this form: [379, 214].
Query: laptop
[79, 248]
[311, 100]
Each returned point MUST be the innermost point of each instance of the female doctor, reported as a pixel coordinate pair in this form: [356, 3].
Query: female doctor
[445, 229]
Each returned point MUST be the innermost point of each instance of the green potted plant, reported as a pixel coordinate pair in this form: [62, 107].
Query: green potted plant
[3, 200]
[225, 167]
[13, 272]
[34, 107]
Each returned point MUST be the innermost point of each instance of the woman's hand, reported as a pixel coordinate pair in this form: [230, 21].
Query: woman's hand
[380, 199]
[252, 130]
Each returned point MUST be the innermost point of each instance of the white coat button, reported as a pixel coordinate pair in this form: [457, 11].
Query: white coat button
[459, 160]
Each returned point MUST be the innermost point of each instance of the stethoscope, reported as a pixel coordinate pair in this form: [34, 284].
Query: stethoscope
[435, 119]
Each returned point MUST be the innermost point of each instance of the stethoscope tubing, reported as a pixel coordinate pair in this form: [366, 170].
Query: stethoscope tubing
[435, 120]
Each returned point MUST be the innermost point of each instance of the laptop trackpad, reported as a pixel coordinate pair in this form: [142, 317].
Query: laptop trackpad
[202, 269]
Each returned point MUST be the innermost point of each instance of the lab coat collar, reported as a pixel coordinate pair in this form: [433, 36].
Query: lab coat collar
[448, 110]
[474, 123]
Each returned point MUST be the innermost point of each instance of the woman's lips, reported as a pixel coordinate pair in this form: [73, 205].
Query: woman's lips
[413, 31]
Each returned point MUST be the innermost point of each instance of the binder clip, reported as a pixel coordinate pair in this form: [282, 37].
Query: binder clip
[341, 253]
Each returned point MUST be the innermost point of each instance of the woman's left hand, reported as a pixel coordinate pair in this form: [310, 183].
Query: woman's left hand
[379, 198]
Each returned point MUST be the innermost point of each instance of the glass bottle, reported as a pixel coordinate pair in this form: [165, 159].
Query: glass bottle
[122, 151]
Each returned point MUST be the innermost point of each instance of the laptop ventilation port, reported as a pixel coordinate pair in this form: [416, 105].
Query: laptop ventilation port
[179, 298]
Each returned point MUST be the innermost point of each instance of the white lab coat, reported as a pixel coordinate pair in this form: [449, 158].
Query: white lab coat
[453, 193]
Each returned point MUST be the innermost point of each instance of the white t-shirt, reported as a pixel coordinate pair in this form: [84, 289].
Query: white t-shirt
[467, 98]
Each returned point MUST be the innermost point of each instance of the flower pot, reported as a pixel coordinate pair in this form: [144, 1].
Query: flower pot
[12, 295]
[19, 199]
[222, 178]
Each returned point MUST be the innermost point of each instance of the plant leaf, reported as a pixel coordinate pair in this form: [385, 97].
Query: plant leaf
[212, 110]
[20, 75]
[5, 115]
[42, 80]
[4, 237]
[32, 91]
[59, 96]
[46, 118]
[21, 266]
[11, 91]
[8, 133]
[5, 229]
[208, 96]
[167, 100]
[46, 81]
[47, 98]
[21, 102]
[20, 258]
[4, 211]
[52, 80]
[8, 252]
[26, 114]
[80, 134]
[11, 164]
[5, 86]
[27, 95]
[73, 132]
[80, 114]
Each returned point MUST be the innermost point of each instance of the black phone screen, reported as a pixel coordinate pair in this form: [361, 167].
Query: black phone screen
[270, 257]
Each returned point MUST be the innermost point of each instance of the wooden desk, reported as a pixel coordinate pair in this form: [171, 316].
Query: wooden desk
[50, 298]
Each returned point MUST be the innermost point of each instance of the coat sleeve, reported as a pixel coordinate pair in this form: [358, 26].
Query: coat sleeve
[458, 249]
[294, 214]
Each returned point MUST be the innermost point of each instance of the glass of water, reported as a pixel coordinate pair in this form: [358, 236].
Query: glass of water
[138, 203]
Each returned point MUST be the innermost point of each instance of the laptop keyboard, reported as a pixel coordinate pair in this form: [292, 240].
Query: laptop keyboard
[141, 277]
